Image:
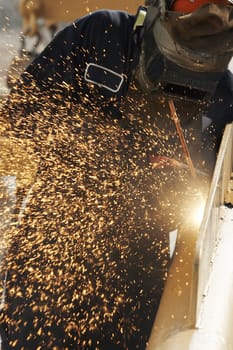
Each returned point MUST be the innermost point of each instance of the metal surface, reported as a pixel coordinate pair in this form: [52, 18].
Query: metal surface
[196, 309]
[209, 230]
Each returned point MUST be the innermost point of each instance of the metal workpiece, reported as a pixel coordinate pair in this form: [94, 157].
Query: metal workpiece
[196, 309]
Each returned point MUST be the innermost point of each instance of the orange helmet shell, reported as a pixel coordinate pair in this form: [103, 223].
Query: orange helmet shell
[192, 5]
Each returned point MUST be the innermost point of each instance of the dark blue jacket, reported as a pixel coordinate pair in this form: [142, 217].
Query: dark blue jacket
[104, 38]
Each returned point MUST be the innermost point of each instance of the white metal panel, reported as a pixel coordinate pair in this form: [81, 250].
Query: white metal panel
[196, 309]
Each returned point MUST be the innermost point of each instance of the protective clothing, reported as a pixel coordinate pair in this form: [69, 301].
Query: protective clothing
[83, 62]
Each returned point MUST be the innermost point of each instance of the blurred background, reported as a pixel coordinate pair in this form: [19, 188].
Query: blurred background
[10, 27]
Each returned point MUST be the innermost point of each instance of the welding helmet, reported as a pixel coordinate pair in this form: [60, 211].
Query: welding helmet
[185, 52]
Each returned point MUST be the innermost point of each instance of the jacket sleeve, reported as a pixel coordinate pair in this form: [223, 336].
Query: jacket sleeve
[56, 76]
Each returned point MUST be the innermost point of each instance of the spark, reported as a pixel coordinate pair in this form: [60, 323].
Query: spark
[85, 256]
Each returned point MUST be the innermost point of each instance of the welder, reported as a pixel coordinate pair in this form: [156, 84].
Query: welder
[86, 262]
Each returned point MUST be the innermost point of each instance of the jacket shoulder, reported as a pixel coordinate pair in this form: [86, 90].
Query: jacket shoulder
[102, 18]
